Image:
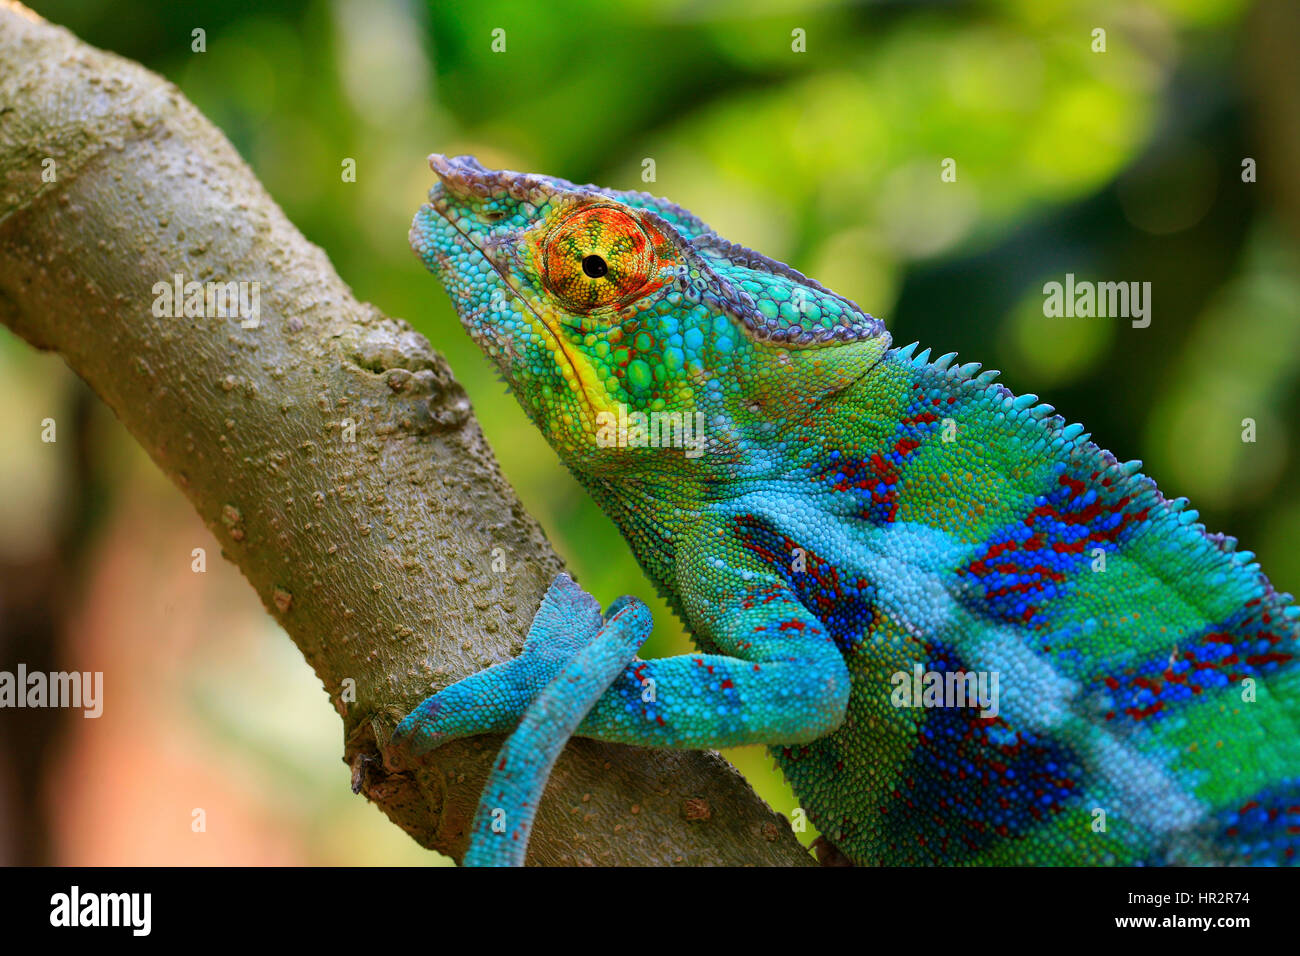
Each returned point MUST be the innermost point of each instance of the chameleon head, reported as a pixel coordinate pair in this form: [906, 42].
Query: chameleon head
[625, 327]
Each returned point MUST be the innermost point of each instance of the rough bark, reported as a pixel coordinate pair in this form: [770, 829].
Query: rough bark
[375, 554]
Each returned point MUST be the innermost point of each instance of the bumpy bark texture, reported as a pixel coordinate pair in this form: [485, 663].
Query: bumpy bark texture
[374, 554]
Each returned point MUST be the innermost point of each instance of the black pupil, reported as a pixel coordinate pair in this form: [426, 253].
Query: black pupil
[594, 266]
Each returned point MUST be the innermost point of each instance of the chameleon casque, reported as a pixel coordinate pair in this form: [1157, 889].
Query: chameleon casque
[856, 510]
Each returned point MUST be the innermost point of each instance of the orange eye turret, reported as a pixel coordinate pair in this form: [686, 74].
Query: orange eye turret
[600, 257]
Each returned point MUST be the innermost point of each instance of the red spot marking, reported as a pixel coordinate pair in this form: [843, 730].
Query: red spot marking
[1257, 660]
[1139, 713]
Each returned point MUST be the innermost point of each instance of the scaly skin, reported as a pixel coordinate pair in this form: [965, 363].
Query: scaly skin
[604, 647]
[855, 510]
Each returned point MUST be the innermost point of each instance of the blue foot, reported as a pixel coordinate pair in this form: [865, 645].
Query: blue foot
[505, 815]
[571, 656]
[493, 700]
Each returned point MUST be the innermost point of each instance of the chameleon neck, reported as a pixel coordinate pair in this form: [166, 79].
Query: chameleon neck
[659, 507]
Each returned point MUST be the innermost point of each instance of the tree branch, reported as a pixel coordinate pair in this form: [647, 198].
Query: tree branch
[374, 554]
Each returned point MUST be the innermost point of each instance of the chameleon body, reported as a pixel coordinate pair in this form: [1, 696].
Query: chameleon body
[852, 520]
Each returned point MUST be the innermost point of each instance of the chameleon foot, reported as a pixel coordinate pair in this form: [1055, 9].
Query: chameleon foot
[493, 700]
[510, 798]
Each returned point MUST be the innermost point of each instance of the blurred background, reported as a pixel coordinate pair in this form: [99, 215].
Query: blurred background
[1122, 165]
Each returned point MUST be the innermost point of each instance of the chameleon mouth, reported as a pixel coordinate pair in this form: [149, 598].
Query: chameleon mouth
[464, 177]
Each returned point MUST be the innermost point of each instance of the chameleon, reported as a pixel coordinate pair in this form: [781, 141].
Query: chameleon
[967, 633]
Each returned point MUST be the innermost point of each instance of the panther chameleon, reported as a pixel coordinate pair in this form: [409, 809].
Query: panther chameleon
[853, 518]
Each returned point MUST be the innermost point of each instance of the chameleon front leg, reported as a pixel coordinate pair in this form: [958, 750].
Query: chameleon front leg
[510, 798]
[781, 679]
[570, 657]
[492, 700]
[778, 677]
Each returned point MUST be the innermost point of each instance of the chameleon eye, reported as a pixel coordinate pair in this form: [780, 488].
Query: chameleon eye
[599, 257]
